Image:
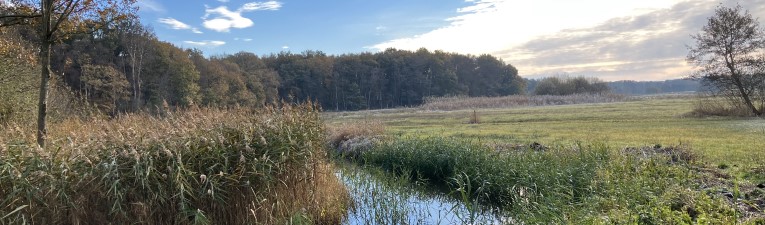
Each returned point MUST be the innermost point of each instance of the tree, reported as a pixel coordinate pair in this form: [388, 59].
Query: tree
[170, 76]
[105, 85]
[728, 55]
[56, 19]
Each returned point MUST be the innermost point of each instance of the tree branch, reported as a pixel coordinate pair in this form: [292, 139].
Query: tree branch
[67, 11]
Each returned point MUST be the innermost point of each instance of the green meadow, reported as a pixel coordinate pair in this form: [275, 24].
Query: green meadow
[638, 122]
[639, 161]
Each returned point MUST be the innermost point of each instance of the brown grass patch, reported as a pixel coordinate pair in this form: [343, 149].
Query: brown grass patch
[513, 101]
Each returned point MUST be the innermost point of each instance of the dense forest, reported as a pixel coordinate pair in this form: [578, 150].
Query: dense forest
[123, 67]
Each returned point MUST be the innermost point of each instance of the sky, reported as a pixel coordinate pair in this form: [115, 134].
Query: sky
[612, 40]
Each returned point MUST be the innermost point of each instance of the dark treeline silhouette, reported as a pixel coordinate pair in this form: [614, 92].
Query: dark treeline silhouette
[124, 68]
[629, 87]
[391, 78]
[564, 85]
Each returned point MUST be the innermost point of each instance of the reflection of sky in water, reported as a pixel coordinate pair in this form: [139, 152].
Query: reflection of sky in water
[390, 202]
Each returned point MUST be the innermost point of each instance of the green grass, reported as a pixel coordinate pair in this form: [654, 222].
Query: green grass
[719, 140]
[562, 184]
[636, 162]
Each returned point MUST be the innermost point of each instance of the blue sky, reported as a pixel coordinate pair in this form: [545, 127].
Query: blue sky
[613, 40]
[334, 27]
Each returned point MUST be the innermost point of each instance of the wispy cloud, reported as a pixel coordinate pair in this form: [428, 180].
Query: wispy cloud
[174, 24]
[285, 47]
[642, 40]
[178, 25]
[206, 43]
[221, 19]
[242, 39]
[150, 5]
[255, 6]
[650, 46]
[224, 1]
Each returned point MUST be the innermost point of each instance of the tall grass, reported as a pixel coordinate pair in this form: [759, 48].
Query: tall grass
[463, 102]
[561, 184]
[512, 179]
[201, 166]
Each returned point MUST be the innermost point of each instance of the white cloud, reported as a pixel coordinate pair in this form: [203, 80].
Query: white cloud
[178, 25]
[150, 5]
[224, 1]
[174, 24]
[247, 39]
[506, 26]
[206, 43]
[285, 47]
[493, 25]
[255, 6]
[224, 19]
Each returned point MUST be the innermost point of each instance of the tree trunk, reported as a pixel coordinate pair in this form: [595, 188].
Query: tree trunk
[745, 96]
[42, 105]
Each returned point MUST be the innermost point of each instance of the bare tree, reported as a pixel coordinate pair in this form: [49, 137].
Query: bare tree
[729, 57]
[52, 15]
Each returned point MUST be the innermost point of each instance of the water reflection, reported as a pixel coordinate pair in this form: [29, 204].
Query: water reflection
[380, 198]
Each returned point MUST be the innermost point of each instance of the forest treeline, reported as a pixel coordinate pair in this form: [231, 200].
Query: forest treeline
[565, 84]
[123, 67]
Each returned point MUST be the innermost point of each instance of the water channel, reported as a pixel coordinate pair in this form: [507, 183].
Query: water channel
[381, 198]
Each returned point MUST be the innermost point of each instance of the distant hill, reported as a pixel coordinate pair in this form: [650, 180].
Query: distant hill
[630, 87]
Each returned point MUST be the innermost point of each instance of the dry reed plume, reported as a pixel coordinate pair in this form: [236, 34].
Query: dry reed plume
[200, 166]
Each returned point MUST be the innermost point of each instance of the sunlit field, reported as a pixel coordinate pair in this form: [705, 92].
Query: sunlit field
[639, 122]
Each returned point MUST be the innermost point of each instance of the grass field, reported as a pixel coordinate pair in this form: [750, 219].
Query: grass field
[737, 142]
[639, 161]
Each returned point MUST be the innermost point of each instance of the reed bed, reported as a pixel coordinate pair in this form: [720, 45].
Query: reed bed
[582, 183]
[514, 101]
[198, 166]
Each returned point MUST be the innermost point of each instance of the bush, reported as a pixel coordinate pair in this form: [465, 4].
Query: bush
[570, 86]
[199, 166]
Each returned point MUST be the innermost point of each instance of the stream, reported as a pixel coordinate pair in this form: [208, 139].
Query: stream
[381, 198]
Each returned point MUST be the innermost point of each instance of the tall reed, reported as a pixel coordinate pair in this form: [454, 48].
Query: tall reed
[200, 166]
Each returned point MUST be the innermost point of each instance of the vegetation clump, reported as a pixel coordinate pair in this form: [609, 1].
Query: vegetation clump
[201, 166]
[584, 182]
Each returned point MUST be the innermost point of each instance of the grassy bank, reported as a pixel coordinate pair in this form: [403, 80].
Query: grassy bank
[202, 166]
[720, 140]
[644, 161]
[567, 184]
